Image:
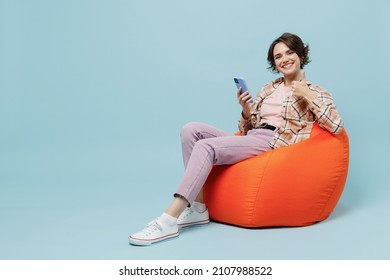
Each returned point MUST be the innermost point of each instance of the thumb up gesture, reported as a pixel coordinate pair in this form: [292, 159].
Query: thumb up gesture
[300, 88]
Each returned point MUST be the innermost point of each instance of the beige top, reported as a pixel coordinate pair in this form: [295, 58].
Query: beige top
[271, 112]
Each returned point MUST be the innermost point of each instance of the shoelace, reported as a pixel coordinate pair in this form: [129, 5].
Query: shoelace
[152, 227]
[188, 211]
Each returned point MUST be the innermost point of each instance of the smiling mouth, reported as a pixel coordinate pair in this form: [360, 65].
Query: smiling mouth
[287, 65]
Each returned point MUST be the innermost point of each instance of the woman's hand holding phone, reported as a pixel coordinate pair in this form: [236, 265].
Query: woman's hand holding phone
[245, 100]
[244, 97]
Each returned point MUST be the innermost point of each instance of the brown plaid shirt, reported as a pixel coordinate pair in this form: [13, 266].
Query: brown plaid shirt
[298, 115]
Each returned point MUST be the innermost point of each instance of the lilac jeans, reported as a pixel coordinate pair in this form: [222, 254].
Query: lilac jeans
[204, 146]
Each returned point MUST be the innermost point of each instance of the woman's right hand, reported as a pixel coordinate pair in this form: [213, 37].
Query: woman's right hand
[245, 100]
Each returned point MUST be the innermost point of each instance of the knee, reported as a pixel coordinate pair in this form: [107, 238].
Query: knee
[189, 130]
[205, 148]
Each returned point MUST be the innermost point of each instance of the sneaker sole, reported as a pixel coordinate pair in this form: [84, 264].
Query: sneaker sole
[193, 224]
[148, 242]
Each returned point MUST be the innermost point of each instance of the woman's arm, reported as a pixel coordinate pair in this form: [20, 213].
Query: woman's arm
[321, 104]
[245, 100]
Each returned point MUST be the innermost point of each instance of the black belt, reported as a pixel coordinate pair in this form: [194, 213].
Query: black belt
[266, 126]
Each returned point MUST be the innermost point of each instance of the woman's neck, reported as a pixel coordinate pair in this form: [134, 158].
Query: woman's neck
[287, 82]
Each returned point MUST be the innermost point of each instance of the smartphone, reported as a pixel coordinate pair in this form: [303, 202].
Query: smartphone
[240, 82]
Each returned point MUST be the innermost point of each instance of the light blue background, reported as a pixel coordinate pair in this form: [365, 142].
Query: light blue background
[93, 95]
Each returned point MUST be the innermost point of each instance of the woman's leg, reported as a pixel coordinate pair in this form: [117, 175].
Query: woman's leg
[203, 147]
[206, 153]
[219, 151]
[166, 226]
[177, 206]
[192, 133]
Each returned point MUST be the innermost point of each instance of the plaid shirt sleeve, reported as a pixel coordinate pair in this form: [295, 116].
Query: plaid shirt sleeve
[325, 111]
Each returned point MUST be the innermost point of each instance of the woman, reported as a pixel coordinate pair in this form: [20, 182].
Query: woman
[282, 114]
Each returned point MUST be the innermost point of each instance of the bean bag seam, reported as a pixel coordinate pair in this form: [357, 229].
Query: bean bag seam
[255, 201]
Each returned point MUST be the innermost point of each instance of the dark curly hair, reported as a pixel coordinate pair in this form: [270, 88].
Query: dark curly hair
[295, 44]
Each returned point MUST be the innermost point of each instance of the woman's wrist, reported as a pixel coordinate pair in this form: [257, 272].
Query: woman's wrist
[310, 96]
[243, 115]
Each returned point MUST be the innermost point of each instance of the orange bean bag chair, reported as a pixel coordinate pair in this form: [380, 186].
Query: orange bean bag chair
[296, 185]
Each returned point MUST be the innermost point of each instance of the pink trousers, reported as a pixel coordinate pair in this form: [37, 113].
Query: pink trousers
[204, 146]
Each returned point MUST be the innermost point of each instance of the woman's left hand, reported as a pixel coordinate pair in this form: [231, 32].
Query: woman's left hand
[300, 88]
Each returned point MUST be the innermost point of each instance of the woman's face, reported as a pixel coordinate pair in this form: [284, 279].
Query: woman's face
[287, 61]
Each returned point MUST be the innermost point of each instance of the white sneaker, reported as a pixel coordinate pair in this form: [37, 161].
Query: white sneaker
[154, 232]
[190, 217]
